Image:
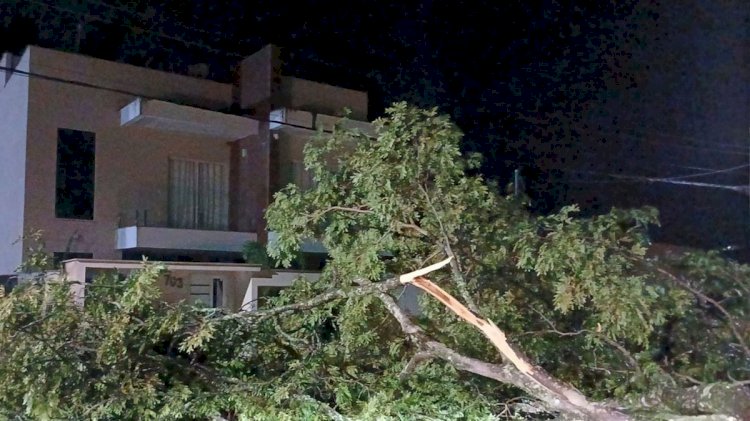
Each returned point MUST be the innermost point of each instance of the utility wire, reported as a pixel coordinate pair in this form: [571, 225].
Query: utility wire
[664, 139]
[635, 128]
[681, 139]
[706, 173]
[135, 94]
[139, 29]
[144, 18]
[667, 178]
[647, 136]
[739, 188]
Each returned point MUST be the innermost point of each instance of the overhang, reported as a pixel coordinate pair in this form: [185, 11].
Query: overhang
[167, 116]
[291, 120]
[182, 239]
[307, 246]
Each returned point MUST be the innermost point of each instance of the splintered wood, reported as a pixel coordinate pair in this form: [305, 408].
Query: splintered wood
[489, 329]
[561, 391]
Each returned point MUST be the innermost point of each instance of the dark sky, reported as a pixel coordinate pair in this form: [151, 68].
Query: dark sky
[568, 93]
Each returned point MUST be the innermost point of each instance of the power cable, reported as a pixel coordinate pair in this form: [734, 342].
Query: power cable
[141, 16]
[135, 94]
[681, 138]
[139, 29]
[729, 150]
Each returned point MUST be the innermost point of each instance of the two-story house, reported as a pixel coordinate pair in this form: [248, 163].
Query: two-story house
[113, 162]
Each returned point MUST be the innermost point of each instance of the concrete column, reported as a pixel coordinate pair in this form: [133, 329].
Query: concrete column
[258, 85]
[249, 182]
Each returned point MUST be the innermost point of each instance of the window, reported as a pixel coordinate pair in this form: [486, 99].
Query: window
[74, 192]
[218, 293]
[209, 293]
[198, 195]
[200, 293]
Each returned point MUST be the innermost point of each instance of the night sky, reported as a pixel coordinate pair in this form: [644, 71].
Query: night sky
[569, 94]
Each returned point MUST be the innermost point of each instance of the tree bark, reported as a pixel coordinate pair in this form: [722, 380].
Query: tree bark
[555, 395]
[728, 399]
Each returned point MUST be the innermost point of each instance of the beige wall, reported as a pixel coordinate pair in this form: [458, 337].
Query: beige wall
[290, 147]
[174, 284]
[13, 124]
[317, 97]
[235, 285]
[137, 80]
[174, 292]
[131, 162]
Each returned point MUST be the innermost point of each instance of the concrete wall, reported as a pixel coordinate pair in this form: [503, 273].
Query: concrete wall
[174, 284]
[182, 239]
[317, 97]
[14, 95]
[258, 82]
[314, 97]
[289, 147]
[139, 81]
[259, 78]
[131, 162]
[282, 279]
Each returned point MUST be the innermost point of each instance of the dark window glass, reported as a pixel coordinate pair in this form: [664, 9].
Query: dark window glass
[218, 295]
[74, 194]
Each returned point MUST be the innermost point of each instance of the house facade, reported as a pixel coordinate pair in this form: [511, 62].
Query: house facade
[113, 162]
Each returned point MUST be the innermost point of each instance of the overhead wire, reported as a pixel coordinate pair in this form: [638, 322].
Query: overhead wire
[158, 33]
[135, 28]
[649, 135]
[143, 17]
[136, 94]
[722, 148]
[636, 129]
[672, 180]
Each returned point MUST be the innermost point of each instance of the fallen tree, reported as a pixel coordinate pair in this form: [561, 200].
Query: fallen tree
[521, 316]
[406, 199]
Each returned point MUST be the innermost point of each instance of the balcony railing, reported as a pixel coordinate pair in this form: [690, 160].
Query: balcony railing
[134, 236]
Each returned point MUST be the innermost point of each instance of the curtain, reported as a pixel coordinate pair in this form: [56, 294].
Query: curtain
[198, 195]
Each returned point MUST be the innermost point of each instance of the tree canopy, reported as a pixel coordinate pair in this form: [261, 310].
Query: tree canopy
[581, 322]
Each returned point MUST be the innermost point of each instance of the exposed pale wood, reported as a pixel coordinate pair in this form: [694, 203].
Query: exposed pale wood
[408, 277]
[498, 338]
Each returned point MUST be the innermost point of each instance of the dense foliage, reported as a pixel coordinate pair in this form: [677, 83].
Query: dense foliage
[578, 296]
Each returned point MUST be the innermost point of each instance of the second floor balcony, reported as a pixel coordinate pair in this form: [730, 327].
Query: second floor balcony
[193, 215]
[166, 238]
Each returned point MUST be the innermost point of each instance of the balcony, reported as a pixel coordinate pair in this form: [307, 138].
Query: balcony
[167, 116]
[307, 246]
[297, 121]
[137, 237]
